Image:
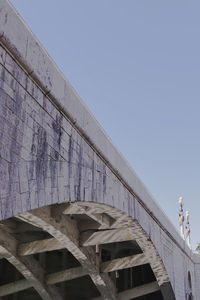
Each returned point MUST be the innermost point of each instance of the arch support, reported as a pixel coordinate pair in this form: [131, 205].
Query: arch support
[65, 230]
[28, 267]
[122, 249]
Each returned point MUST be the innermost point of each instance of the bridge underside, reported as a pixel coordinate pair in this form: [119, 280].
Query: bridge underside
[78, 250]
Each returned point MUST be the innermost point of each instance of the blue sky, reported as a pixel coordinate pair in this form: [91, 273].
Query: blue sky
[136, 65]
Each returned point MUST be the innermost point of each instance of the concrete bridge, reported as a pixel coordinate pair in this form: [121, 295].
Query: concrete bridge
[76, 221]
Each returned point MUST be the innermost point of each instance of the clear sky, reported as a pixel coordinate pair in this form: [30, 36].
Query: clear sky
[136, 65]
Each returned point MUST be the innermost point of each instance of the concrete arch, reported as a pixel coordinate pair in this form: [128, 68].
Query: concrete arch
[122, 219]
[103, 225]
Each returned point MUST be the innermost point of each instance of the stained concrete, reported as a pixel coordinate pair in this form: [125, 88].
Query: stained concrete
[52, 150]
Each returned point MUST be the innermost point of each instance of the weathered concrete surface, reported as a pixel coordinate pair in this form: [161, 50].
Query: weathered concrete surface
[52, 150]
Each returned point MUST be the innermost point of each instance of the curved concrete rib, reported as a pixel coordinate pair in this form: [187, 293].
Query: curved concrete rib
[139, 235]
[66, 232]
[28, 267]
[64, 229]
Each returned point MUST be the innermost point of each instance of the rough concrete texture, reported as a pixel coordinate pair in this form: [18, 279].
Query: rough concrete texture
[52, 150]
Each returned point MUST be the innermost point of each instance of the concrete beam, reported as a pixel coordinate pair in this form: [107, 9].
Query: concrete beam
[14, 287]
[73, 273]
[21, 285]
[104, 220]
[105, 237]
[124, 262]
[109, 266]
[139, 291]
[39, 246]
[66, 275]
[73, 209]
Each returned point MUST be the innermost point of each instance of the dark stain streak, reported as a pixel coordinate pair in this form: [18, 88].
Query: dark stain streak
[80, 156]
[70, 150]
[31, 170]
[42, 144]
[93, 181]
[6, 18]
[104, 182]
[39, 148]
[53, 168]
[13, 47]
[14, 163]
[49, 79]
[55, 155]
[57, 130]
[33, 148]
[70, 165]
[3, 74]
[70, 156]
[12, 84]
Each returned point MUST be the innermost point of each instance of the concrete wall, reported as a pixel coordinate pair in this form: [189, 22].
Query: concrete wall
[53, 150]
